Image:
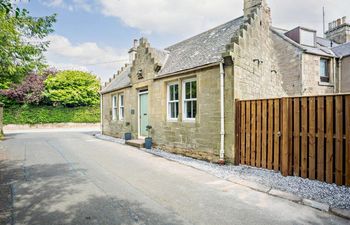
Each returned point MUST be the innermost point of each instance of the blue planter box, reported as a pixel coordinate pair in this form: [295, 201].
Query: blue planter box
[148, 143]
[127, 136]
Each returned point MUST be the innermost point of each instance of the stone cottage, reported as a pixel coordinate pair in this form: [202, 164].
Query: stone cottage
[187, 91]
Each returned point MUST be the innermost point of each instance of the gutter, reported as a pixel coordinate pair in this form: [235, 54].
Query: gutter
[186, 71]
[222, 112]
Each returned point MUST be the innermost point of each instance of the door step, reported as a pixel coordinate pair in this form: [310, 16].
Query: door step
[138, 143]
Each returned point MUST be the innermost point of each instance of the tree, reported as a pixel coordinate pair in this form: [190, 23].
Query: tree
[72, 88]
[30, 91]
[21, 42]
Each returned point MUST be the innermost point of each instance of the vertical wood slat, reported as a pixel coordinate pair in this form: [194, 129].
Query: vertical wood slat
[258, 134]
[339, 140]
[285, 137]
[253, 133]
[264, 134]
[270, 135]
[304, 135]
[312, 138]
[242, 158]
[296, 140]
[248, 136]
[347, 140]
[276, 149]
[329, 141]
[237, 132]
[320, 138]
[316, 136]
[290, 138]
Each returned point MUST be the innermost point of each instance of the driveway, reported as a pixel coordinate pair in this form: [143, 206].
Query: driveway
[73, 178]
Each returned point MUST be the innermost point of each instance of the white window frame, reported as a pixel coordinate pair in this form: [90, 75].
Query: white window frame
[121, 115]
[114, 107]
[172, 101]
[184, 100]
[327, 70]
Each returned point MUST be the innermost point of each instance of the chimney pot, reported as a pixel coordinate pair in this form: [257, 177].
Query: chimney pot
[344, 19]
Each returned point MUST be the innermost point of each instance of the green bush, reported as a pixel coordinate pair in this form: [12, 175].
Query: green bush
[28, 114]
[72, 88]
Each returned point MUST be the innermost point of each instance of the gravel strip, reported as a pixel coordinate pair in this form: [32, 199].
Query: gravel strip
[335, 196]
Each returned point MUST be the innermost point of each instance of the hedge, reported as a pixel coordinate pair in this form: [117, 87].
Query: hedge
[28, 114]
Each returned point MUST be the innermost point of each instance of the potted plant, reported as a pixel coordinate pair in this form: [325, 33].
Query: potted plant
[148, 140]
[127, 135]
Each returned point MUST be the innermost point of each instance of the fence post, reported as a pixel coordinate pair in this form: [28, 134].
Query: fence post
[285, 137]
[237, 131]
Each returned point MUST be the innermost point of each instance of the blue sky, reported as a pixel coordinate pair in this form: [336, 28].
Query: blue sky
[90, 33]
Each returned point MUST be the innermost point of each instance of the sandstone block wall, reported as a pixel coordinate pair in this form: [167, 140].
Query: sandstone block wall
[311, 80]
[256, 71]
[345, 76]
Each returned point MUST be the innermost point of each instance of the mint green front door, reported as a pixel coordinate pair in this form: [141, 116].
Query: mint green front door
[143, 114]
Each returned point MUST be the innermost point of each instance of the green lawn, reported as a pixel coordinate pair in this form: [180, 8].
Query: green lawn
[50, 114]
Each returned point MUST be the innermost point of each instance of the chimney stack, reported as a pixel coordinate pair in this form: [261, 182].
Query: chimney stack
[339, 31]
[133, 50]
[250, 5]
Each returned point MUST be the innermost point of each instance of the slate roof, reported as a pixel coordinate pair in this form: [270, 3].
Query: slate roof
[319, 49]
[121, 80]
[203, 49]
[342, 50]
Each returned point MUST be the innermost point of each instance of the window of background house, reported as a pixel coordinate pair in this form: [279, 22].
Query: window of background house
[121, 107]
[173, 101]
[190, 99]
[324, 70]
[114, 107]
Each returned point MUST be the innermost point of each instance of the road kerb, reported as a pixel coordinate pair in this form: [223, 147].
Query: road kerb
[317, 205]
[345, 213]
[285, 195]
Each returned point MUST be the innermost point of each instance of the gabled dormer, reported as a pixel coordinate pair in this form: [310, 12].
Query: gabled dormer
[303, 36]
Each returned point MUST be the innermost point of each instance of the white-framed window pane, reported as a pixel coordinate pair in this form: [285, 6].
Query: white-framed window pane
[188, 90]
[193, 89]
[173, 101]
[190, 99]
[121, 107]
[114, 107]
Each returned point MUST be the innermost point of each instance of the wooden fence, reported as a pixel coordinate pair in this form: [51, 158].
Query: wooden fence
[301, 136]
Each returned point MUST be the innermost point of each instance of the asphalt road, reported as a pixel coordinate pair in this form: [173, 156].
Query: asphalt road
[73, 178]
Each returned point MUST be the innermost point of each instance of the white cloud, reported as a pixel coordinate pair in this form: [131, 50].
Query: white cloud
[188, 17]
[72, 5]
[88, 56]
[172, 17]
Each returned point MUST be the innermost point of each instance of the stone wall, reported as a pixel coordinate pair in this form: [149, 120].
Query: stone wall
[289, 60]
[256, 70]
[311, 81]
[345, 76]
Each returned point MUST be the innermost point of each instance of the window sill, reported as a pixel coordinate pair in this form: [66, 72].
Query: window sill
[189, 120]
[326, 84]
[172, 120]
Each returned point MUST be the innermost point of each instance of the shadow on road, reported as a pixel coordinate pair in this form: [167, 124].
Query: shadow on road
[54, 194]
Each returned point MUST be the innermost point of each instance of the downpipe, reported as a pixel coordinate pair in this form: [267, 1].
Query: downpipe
[222, 112]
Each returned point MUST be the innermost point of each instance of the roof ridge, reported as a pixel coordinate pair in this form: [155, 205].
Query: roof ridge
[187, 39]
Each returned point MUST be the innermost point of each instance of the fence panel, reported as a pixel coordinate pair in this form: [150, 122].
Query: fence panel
[300, 136]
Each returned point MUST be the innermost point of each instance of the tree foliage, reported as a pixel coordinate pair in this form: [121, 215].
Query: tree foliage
[30, 91]
[72, 88]
[21, 42]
